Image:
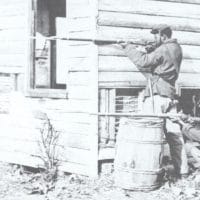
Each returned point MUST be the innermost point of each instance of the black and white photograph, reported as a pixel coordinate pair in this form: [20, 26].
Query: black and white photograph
[100, 99]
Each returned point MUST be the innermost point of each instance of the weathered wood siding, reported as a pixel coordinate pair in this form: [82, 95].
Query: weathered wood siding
[13, 33]
[20, 126]
[133, 20]
[13, 59]
[82, 84]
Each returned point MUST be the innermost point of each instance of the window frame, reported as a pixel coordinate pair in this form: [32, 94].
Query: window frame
[187, 88]
[31, 90]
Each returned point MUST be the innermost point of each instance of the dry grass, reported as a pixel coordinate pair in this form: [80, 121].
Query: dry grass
[15, 182]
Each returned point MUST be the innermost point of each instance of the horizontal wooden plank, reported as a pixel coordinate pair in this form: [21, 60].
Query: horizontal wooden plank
[77, 34]
[47, 93]
[156, 8]
[32, 147]
[128, 79]
[13, 47]
[10, 2]
[59, 106]
[131, 77]
[106, 153]
[15, 34]
[75, 128]
[62, 32]
[18, 8]
[74, 105]
[189, 51]
[76, 64]
[6, 85]
[19, 127]
[79, 92]
[117, 85]
[78, 24]
[79, 78]
[13, 60]
[78, 141]
[24, 134]
[78, 2]
[27, 160]
[12, 120]
[78, 49]
[75, 155]
[20, 158]
[13, 22]
[70, 147]
[189, 80]
[187, 38]
[9, 69]
[74, 10]
[74, 168]
[77, 117]
[74, 135]
[182, 1]
[28, 147]
[115, 63]
[146, 21]
[48, 104]
[78, 103]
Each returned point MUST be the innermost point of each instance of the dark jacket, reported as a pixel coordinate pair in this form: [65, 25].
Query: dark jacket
[163, 63]
[191, 132]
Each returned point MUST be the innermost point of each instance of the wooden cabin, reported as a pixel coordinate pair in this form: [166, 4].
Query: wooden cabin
[71, 81]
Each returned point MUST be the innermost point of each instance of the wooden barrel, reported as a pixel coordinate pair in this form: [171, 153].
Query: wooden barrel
[139, 152]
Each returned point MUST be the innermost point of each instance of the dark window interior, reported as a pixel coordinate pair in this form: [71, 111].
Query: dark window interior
[190, 101]
[45, 50]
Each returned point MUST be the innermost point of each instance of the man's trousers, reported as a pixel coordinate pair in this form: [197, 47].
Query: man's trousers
[172, 130]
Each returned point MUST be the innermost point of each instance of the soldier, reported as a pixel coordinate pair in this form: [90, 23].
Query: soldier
[162, 66]
[190, 127]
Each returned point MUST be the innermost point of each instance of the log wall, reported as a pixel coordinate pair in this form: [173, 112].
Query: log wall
[134, 20]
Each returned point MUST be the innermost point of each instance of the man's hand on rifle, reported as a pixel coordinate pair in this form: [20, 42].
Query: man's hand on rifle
[138, 47]
[184, 117]
[180, 120]
[123, 43]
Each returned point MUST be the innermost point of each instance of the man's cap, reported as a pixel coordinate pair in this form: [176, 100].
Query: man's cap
[163, 28]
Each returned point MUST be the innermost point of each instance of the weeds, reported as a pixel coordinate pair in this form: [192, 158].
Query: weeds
[49, 155]
[45, 180]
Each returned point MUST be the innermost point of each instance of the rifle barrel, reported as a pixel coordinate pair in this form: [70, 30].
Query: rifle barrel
[95, 40]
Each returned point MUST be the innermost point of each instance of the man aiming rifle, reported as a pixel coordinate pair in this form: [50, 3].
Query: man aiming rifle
[162, 64]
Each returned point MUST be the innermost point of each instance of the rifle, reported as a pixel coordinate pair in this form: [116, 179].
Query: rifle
[189, 119]
[176, 116]
[100, 41]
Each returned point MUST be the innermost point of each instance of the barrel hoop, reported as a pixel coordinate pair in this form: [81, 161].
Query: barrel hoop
[149, 172]
[145, 125]
[144, 142]
[144, 187]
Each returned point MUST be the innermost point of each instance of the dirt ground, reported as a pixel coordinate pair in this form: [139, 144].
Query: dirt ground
[16, 183]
